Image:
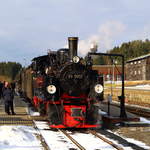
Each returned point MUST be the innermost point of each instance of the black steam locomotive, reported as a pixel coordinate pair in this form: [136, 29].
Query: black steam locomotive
[64, 87]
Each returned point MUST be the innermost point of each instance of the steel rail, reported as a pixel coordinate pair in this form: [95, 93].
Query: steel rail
[43, 142]
[15, 121]
[105, 140]
[72, 139]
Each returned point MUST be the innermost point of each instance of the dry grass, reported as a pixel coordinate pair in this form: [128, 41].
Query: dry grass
[138, 97]
[133, 83]
[128, 83]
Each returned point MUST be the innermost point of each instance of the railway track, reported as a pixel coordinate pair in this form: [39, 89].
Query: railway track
[18, 120]
[138, 110]
[72, 139]
[40, 137]
[92, 132]
[84, 140]
[75, 140]
[105, 140]
[68, 139]
[5, 120]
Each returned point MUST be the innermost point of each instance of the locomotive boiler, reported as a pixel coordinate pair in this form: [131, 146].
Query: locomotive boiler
[64, 87]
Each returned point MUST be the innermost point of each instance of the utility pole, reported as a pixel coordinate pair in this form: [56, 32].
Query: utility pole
[122, 97]
[113, 71]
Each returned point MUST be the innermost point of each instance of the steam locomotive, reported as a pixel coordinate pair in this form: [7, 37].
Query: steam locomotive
[64, 87]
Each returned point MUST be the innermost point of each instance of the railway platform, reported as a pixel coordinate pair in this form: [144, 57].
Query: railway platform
[111, 115]
[21, 117]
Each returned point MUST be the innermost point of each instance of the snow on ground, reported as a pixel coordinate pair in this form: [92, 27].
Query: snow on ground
[24, 138]
[139, 143]
[32, 112]
[144, 120]
[41, 125]
[130, 140]
[90, 142]
[137, 87]
[55, 140]
[141, 87]
[102, 112]
[19, 138]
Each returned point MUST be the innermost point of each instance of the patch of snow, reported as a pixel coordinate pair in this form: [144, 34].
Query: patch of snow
[144, 120]
[130, 140]
[116, 142]
[41, 125]
[141, 87]
[54, 139]
[90, 142]
[139, 143]
[102, 112]
[19, 138]
[57, 141]
[30, 111]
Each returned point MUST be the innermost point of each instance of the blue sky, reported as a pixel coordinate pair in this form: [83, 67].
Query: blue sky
[29, 27]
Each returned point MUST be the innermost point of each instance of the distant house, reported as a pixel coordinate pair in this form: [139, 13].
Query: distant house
[138, 68]
[109, 72]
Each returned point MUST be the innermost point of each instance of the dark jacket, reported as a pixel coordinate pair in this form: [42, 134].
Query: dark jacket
[8, 94]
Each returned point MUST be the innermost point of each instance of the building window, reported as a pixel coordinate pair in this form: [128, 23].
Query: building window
[139, 61]
[135, 62]
[139, 71]
[118, 77]
[131, 63]
[135, 72]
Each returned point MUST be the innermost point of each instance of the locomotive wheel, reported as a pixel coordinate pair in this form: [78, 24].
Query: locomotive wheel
[54, 114]
[41, 109]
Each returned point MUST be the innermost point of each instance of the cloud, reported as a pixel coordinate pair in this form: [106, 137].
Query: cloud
[107, 33]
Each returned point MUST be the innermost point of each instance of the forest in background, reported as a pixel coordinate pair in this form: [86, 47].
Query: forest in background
[9, 70]
[129, 50]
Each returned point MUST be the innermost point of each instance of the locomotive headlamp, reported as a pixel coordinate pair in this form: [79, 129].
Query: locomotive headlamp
[76, 59]
[51, 89]
[98, 88]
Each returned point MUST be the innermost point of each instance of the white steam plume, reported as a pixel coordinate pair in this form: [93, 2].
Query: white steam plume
[107, 33]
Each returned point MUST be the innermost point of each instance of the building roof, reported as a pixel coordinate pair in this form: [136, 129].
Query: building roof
[138, 58]
[105, 66]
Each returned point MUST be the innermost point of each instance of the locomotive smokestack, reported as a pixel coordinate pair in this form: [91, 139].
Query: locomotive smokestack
[73, 46]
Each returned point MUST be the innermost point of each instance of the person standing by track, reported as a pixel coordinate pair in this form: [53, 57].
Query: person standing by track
[8, 96]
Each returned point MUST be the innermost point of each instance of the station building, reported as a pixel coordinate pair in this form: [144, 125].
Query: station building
[109, 72]
[138, 68]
